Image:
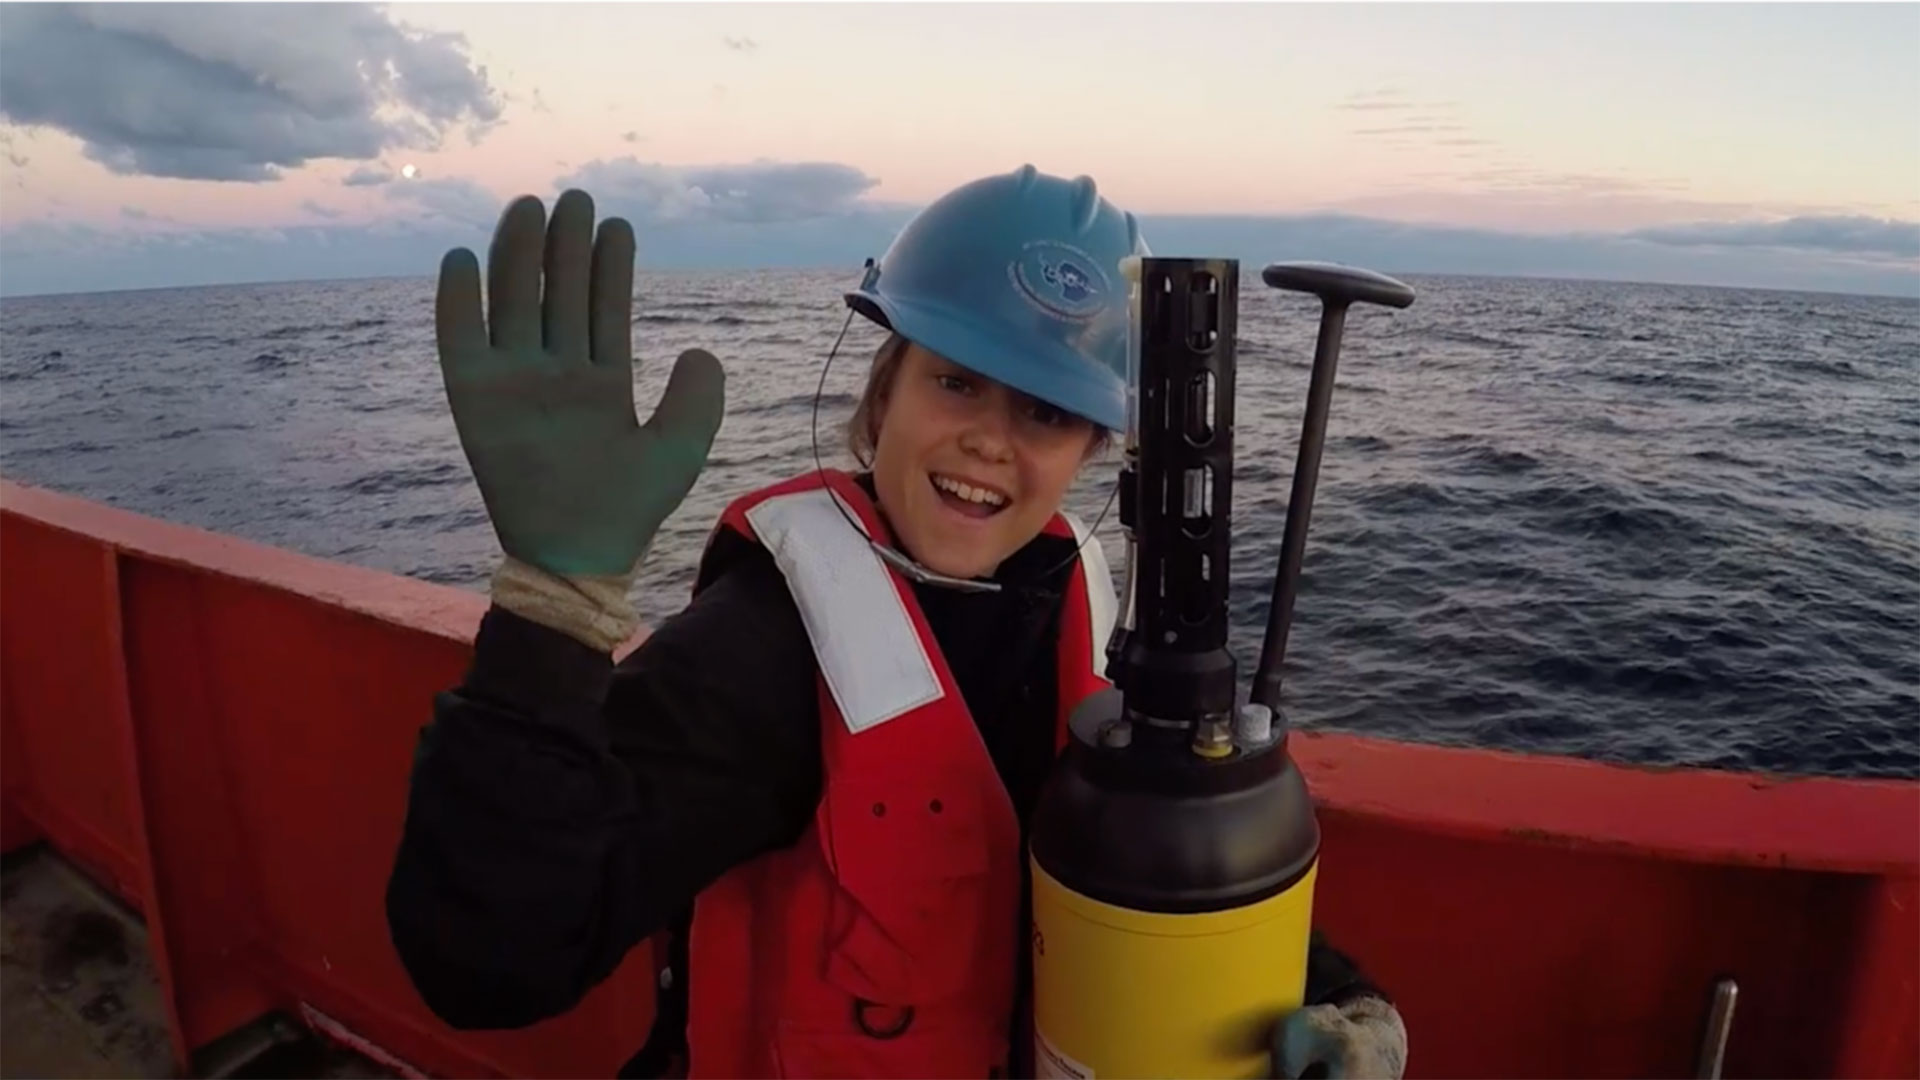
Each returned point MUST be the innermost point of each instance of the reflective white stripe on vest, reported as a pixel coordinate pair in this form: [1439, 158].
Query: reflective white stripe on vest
[869, 653]
[1103, 605]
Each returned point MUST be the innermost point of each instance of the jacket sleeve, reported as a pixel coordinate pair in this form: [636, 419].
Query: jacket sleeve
[562, 810]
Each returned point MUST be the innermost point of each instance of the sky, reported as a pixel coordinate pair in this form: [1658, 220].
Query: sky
[1767, 144]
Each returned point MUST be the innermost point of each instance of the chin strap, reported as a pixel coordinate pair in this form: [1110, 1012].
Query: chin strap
[915, 572]
[897, 559]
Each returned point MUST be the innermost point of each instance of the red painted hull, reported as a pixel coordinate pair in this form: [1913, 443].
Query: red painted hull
[220, 732]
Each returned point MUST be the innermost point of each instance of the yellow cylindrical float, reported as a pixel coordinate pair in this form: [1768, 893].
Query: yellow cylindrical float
[1172, 907]
[1145, 994]
[1174, 847]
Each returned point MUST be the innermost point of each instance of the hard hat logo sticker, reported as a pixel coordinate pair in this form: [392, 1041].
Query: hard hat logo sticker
[1060, 279]
[1072, 283]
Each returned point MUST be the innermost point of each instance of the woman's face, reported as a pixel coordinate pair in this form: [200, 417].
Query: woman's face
[968, 470]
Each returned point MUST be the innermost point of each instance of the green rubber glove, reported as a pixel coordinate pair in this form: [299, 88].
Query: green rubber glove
[542, 393]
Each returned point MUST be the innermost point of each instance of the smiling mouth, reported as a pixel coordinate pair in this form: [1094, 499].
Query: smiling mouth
[968, 499]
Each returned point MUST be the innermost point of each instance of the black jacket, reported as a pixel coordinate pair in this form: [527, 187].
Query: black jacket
[564, 809]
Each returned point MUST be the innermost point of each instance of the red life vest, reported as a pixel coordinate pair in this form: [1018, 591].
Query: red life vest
[885, 941]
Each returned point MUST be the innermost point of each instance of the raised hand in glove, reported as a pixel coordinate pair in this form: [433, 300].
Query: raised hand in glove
[542, 397]
[1362, 1039]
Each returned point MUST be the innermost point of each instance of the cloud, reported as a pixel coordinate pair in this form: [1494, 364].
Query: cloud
[44, 257]
[740, 44]
[1388, 99]
[369, 176]
[1515, 199]
[630, 136]
[1520, 178]
[1403, 116]
[1851, 235]
[451, 200]
[317, 210]
[210, 92]
[1409, 129]
[1399, 247]
[1380, 98]
[47, 257]
[762, 192]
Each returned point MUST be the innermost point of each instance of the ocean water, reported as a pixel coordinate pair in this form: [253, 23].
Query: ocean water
[1646, 524]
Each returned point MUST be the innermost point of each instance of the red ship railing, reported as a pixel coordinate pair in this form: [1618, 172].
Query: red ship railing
[220, 732]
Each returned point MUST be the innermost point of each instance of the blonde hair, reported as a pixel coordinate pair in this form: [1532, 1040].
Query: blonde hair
[863, 428]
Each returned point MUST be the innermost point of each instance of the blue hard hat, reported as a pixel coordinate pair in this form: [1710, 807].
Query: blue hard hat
[1017, 277]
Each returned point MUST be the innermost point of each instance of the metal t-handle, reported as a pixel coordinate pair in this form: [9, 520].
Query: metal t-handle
[1338, 287]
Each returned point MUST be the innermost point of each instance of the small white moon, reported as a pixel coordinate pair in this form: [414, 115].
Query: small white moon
[409, 171]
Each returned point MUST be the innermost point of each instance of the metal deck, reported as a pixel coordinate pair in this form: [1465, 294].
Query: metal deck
[79, 996]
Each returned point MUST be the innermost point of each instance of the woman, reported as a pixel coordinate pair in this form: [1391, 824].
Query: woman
[901, 638]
